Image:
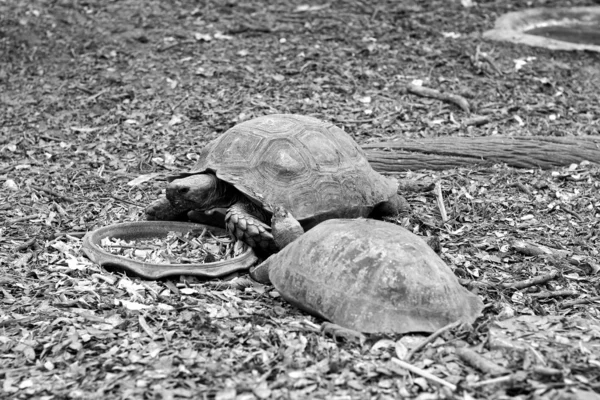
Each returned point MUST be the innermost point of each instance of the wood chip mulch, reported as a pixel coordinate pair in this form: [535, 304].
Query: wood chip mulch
[100, 100]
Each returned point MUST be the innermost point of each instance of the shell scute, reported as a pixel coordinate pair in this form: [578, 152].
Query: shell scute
[310, 167]
[325, 152]
[282, 161]
[371, 276]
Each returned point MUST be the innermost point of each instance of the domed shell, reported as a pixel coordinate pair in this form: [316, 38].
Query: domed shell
[371, 276]
[308, 166]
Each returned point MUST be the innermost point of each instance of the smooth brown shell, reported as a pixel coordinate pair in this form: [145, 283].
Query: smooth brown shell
[312, 168]
[371, 276]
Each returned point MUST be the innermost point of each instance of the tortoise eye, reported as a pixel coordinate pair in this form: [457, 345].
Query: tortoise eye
[183, 190]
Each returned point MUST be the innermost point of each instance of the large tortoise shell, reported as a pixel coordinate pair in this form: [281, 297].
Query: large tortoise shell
[312, 168]
[371, 276]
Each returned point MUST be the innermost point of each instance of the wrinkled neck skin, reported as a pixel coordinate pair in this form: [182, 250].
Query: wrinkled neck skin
[202, 192]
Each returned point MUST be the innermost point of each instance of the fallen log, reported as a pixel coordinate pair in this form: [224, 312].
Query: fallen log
[450, 152]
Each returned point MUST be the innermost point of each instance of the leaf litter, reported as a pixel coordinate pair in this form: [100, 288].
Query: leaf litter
[95, 96]
[177, 248]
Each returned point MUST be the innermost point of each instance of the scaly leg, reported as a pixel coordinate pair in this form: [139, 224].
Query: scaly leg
[246, 222]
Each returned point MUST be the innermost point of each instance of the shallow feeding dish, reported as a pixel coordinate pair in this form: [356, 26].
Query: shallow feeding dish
[92, 247]
[568, 28]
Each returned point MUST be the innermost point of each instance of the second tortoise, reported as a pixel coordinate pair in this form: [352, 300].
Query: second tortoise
[365, 275]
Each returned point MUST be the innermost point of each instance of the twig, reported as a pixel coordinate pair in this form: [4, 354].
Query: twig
[14, 321]
[571, 303]
[176, 44]
[171, 286]
[522, 187]
[119, 246]
[431, 338]
[423, 373]
[535, 249]
[491, 62]
[60, 210]
[125, 201]
[6, 169]
[51, 138]
[95, 96]
[108, 279]
[176, 106]
[477, 121]
[571, 212]
[84, 89]
[480, 55]
[435, 94]
[3, 372]
[478, 361]
[437, 189]
[22, 219]
[53, 193]
[537, 354]
[414, 186]
[470, 283]
[354, 121]
[313, 326]
[58, 235]
[547, 371]
[530, 282]
[144, 325]
[387, 115]
[26, 245]
[493, 381]
[557, 293]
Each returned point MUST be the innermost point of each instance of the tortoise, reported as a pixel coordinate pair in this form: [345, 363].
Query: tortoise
[310, 167]
[366, 275]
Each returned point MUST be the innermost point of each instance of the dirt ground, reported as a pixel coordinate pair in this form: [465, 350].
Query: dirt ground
[94, 94]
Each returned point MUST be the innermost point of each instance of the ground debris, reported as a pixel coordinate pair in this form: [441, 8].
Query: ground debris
[177, 248]
[96, 95]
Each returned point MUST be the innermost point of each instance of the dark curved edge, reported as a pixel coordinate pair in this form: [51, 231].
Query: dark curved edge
[260, 273]
[148, 229]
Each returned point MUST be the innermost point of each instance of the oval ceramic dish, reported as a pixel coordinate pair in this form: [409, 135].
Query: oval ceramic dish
[561, 28]
[158, 229]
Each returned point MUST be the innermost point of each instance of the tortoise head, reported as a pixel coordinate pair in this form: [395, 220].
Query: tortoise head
[200, 192]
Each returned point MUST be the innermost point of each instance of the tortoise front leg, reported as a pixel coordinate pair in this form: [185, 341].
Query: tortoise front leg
[246, 222]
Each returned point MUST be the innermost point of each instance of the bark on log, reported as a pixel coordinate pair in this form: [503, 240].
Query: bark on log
[450, 152]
